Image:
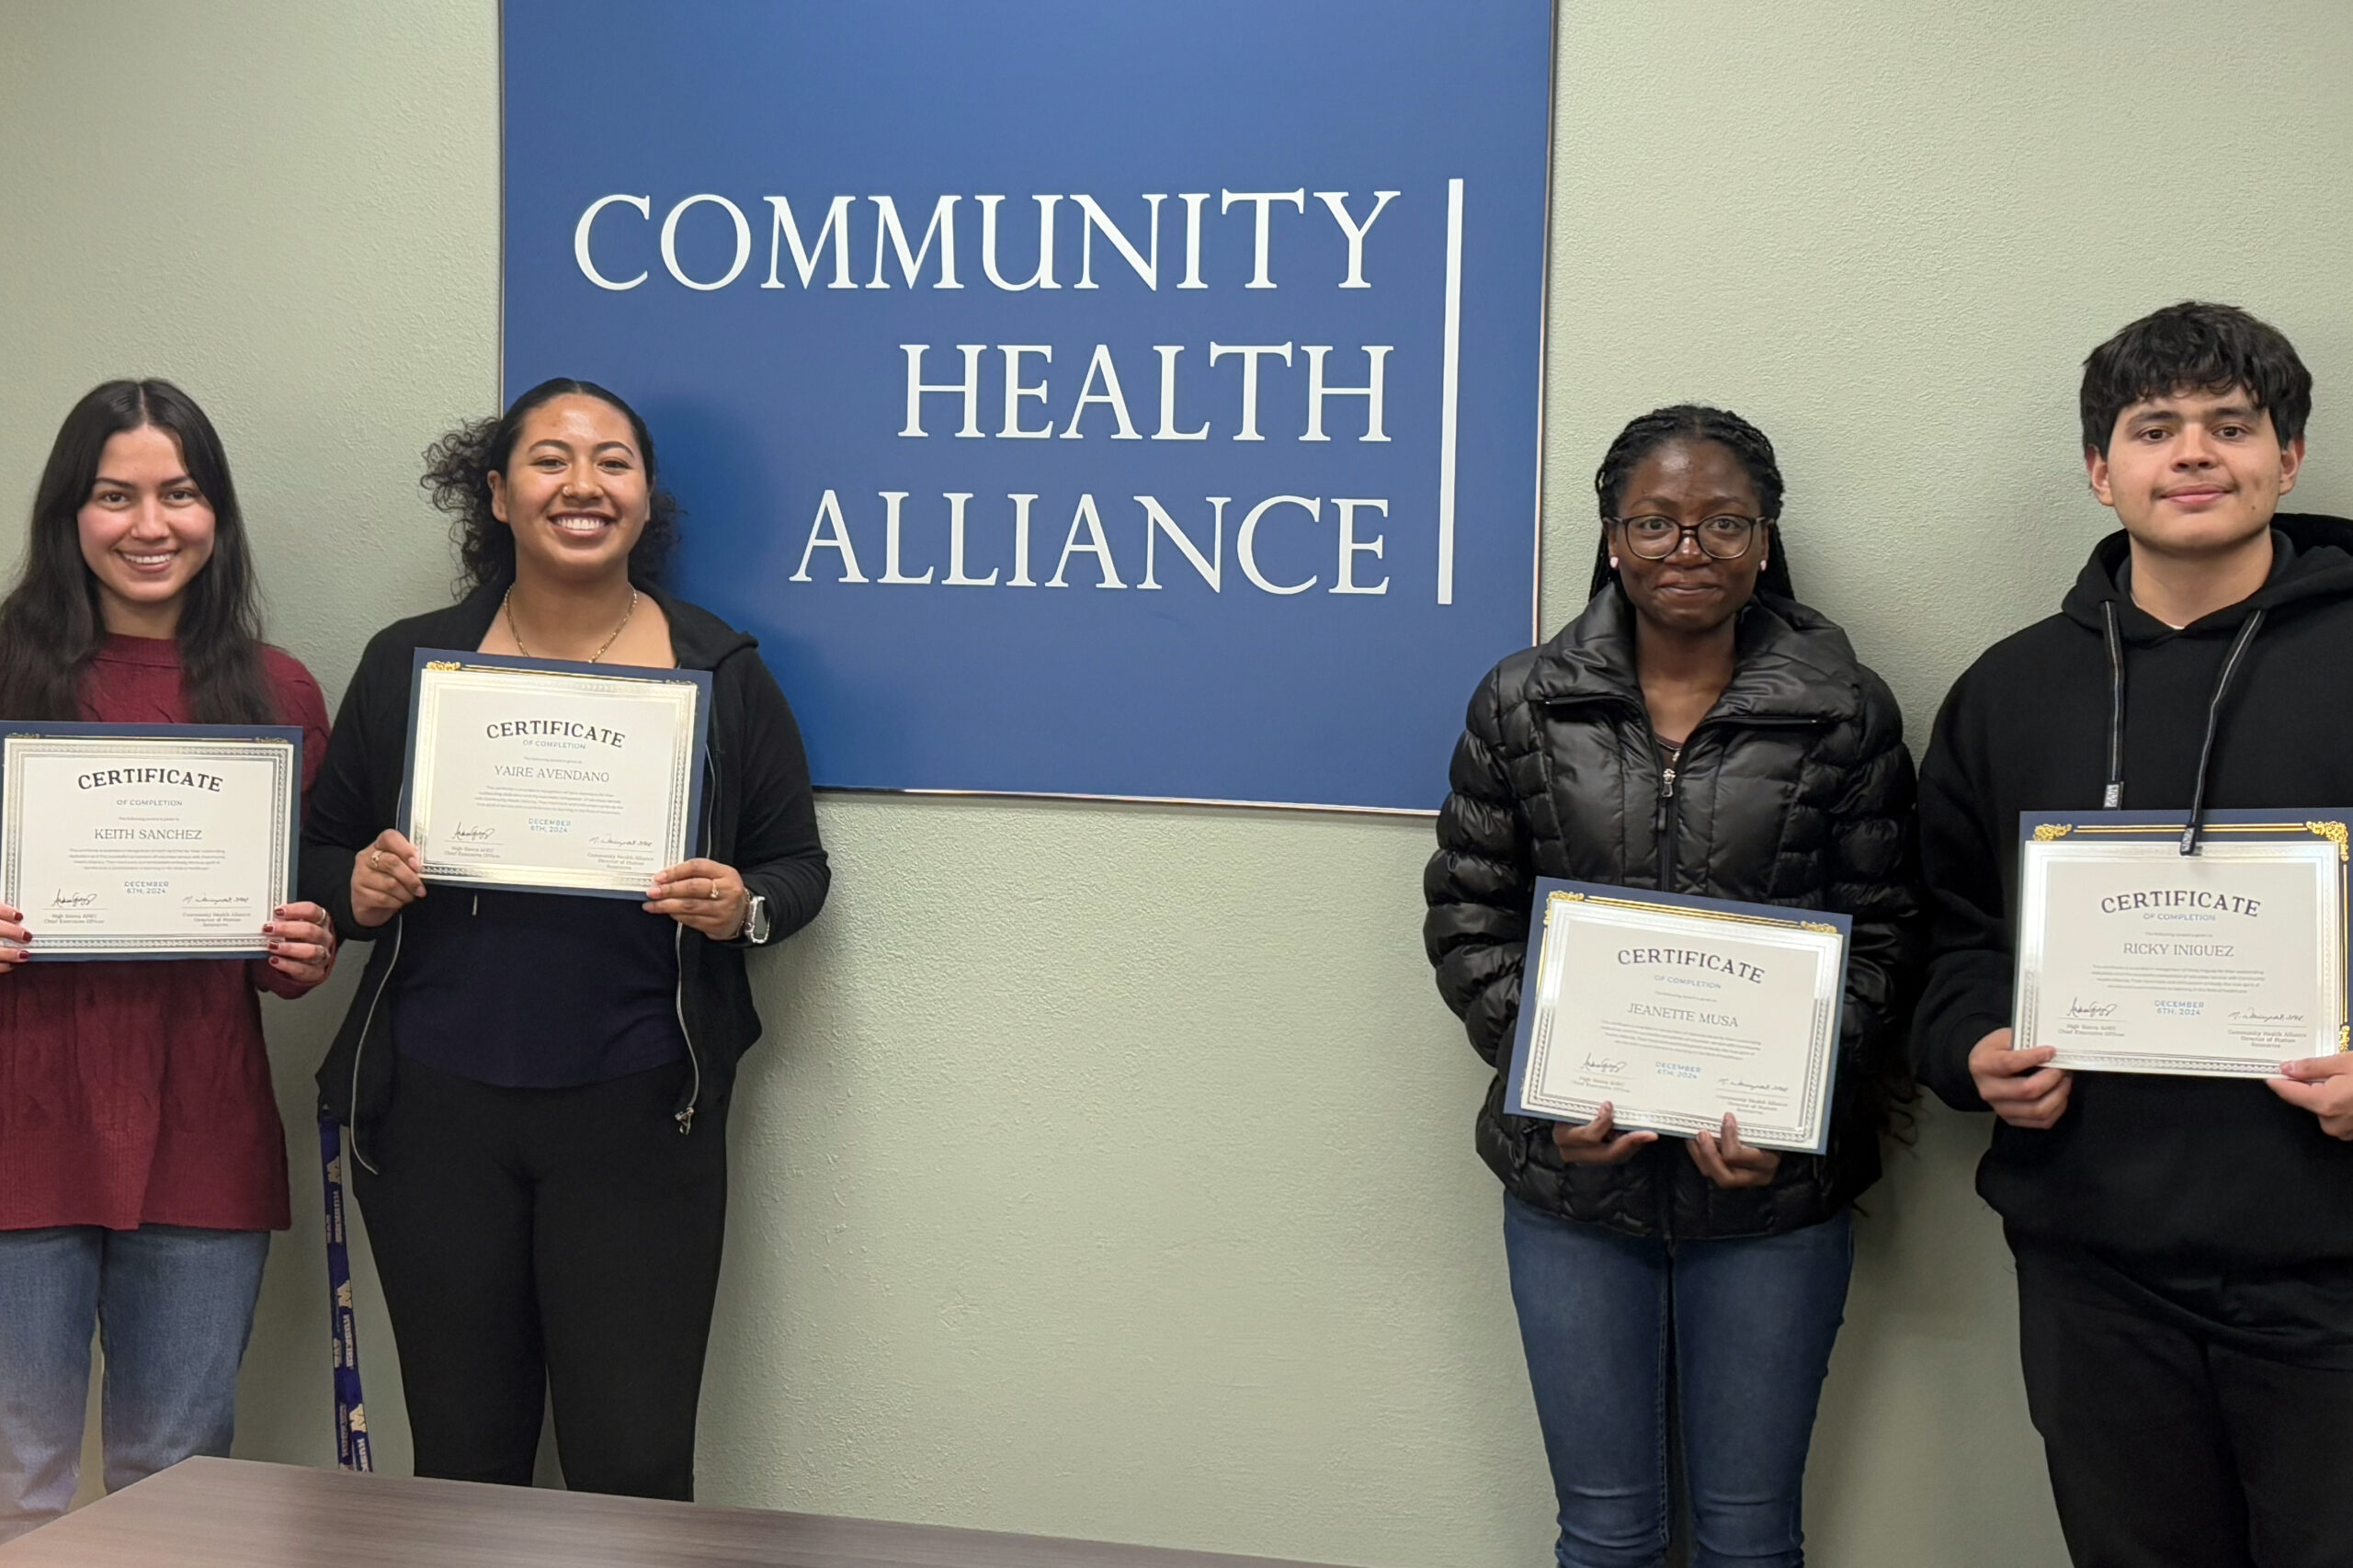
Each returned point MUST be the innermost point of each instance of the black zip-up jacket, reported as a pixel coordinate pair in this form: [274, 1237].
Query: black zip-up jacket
[2159, 1169]
[1795, 790]
[757, 816]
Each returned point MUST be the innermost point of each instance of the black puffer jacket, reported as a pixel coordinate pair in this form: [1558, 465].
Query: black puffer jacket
[1795, 790]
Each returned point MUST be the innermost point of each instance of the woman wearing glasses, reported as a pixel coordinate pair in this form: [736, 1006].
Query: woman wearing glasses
[536, 1084]
[1695, 728]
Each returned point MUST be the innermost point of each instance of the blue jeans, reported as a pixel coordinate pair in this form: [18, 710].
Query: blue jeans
[1749, 1323]
[173, 1308]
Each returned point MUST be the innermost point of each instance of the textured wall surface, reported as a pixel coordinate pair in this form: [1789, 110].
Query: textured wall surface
[1107, 1170]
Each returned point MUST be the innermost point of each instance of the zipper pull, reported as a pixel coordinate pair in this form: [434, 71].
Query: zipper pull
[1666, 795]
[686, 1121]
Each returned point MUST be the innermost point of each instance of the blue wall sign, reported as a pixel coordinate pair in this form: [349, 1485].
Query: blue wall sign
[1076, 398]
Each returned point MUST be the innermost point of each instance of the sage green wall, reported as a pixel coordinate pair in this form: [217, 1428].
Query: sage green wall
[1106, 1171]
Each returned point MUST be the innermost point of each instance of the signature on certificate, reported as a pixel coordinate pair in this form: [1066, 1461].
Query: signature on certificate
[462, 834]
[2079, 1008]
[68, 898]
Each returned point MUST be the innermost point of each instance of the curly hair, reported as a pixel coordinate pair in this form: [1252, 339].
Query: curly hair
[1690, 421]
[457, 476]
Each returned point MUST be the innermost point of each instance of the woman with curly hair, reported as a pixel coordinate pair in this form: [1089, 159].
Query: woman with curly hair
[1697, 729]
[536, 1084]
[142, 1167]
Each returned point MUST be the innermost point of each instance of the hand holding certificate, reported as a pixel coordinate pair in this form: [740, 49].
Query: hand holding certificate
[148, 841]
[1677, 1011]
[2135, 958]
[532, 775]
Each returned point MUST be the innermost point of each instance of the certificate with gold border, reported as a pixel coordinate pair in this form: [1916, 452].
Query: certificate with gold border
[2135, 956]
[1676, 1010]
[540, 776]
[148, 841]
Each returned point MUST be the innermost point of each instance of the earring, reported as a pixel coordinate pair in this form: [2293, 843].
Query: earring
[1613, 563]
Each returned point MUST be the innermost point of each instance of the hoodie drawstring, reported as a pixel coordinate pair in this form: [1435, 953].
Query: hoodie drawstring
[2113, 796]
[2214, 723]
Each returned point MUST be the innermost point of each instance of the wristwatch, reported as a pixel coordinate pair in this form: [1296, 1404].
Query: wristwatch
[755, 920]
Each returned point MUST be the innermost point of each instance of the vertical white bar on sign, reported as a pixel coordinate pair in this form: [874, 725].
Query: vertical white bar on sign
[1448, 387]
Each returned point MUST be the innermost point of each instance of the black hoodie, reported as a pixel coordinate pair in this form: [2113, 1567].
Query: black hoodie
[2196, 1171]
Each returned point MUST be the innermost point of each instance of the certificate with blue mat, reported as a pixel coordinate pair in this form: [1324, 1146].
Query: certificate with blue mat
[148, 841]
[2145, 947]
[1677, 1010]
[540, 775]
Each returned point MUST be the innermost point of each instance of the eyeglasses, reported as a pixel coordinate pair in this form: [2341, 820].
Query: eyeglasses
[1721, 539]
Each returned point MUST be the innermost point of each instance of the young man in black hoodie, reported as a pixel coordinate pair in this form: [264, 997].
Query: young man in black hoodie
[2184, 1245]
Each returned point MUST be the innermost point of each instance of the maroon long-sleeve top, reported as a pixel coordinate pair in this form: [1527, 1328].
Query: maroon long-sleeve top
[139, 1092]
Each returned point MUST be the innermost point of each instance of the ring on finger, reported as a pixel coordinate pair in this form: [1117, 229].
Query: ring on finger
[375, 859]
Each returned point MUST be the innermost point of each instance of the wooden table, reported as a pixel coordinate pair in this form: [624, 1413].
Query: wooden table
[234, 1514]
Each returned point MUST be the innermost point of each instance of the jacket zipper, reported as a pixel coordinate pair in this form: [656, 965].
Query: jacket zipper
[686, 1119]
[359, 1049]
[1668, 815]
[1663, 821]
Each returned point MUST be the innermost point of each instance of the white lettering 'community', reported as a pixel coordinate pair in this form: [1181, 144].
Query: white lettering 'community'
[1026, 402]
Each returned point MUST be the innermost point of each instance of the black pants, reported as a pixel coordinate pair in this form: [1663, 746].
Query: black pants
[2204, 1428]
[549, 1241]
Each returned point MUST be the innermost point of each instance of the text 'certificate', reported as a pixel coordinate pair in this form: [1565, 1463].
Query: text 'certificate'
[153, 841]
[529, 774]
[2135, 958]
[1677, 1010]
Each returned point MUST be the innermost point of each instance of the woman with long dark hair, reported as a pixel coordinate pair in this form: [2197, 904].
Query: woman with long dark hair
[1697, 729]
[536, 1084]
[142, 1162]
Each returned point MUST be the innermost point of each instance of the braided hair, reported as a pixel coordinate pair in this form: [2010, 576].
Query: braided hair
[1690, 421]
[1886, 1094]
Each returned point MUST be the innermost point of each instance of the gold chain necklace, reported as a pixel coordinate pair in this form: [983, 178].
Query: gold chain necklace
[506, 608]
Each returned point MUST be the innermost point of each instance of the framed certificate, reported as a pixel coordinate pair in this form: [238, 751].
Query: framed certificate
[2136, 958]
[532, 775]
[1676, 1010]
[148, 841]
